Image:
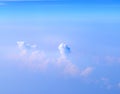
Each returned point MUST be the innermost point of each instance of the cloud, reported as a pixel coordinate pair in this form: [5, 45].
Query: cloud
[38, 59]
[87, 71]
[71, 69]
[24, 47]
[35, 58]
[64, 49]
[68, 67]
[31, 56]
[22, 44]
[21, 47]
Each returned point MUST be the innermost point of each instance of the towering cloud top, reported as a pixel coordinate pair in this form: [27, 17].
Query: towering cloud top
[64, 49]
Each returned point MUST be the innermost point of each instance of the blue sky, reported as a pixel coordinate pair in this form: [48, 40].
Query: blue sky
[60, 47]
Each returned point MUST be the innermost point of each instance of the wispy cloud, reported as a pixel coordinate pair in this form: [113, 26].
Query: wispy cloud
[87, 71]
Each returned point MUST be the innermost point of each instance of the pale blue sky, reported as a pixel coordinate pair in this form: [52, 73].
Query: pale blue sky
[31, 32]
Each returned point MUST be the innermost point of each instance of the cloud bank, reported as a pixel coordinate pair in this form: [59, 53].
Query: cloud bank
[37, 59]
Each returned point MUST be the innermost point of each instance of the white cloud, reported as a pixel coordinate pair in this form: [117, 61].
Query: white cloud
[31, 56]
[20, 44]
[24, 47]
[37, 59]
[67, 66]
[64, 49]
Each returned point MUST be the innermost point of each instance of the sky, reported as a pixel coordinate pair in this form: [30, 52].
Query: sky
[59, 47]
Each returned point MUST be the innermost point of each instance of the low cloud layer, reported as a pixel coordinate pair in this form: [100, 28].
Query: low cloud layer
[37, 59]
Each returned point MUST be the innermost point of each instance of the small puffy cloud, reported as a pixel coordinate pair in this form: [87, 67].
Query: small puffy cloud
[20, 44]
[64, 49]
[24, 47]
